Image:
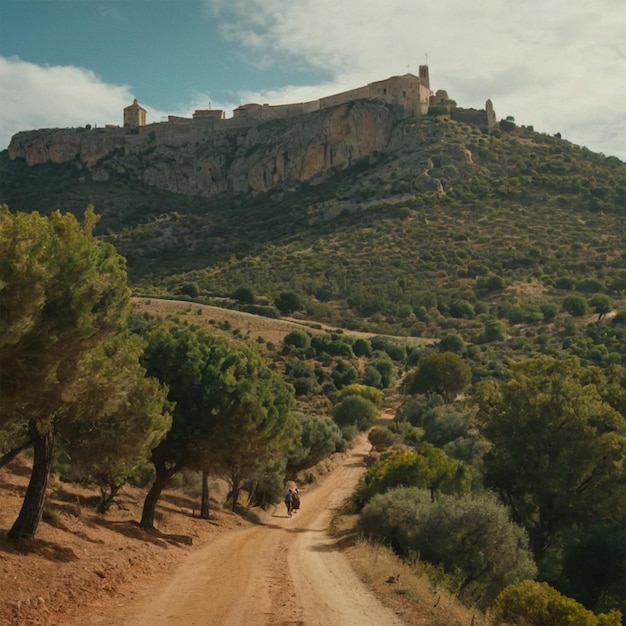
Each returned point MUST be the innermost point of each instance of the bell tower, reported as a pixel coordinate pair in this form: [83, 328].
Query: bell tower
[423, 76]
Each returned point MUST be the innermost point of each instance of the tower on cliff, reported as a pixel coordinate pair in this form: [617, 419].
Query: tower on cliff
[134, 115]
[423, 75]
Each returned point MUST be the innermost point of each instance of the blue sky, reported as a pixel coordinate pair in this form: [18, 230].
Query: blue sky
[559, 65]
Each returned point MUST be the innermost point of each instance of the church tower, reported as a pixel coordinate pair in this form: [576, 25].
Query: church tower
[424, 78]
[134, 115]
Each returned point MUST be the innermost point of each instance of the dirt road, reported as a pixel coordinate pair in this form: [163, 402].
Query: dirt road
[286, 572]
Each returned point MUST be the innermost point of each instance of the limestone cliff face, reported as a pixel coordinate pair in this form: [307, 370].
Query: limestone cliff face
[211, 159]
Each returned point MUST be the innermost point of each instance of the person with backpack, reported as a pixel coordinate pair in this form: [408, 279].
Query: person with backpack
[295, 501]
[289, 502]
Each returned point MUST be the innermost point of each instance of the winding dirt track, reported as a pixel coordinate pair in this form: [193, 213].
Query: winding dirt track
[286, 572]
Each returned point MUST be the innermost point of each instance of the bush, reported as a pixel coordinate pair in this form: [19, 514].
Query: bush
[320, 437]
[452, 343]
[386, 369]
[575, 305]
[244, 295]
[473, 539]
[190, 289]
[355, 411]
[428, 468]
[375, 396]
[362, 347]
[531, 603]
[381, 438]
[297, 339]
[288, 302]
[395, 351]
[372, 377]
[445, 374]
[343, 374]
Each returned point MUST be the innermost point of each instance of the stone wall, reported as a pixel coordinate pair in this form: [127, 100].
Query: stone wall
[480, 117]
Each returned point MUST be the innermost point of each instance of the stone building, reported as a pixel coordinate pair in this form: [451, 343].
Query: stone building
[134, 115]
[409, 94]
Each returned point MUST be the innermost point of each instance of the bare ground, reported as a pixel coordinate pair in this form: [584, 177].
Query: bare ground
[224, 571]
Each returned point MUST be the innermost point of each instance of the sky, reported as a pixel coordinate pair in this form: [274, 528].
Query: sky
[558, 65]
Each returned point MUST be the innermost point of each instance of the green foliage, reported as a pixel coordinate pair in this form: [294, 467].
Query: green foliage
[495, 330]
[594, 567]
[447, 423]
[444, 373]
[415, 409]
[494, 283]
[190, 289]
[427, 467]
[362, 347]
[297, 339]
[471, 538]
[575, 305]
[381, 438]
[601, 303]
[372, 377]
[385, 367]
[332, 344]
[558, 444]
[244, 295]
[394, 350]
[375, 396]
[112, 452]
[530, 603]
[53, 518]
[343, 374]
[320, 437]
[64, 299]
[355, 411]
[231, 412]
[288, 302]
[452, 343]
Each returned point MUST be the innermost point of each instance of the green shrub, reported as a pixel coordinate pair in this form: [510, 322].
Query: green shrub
[375, 396]
[355, 411]
[575, 305]
[471, 538]
[53, 518]
[530, 603]
[381, 438]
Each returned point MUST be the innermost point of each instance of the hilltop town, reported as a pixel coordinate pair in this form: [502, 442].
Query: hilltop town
[261, 146]
[410, 95]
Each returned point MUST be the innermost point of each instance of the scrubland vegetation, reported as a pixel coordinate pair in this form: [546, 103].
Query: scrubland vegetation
[504, 467]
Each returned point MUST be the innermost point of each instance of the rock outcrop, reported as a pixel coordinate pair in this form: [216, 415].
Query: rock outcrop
[201, 159]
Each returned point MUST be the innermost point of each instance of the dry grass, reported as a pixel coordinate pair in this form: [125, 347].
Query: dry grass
[408, 589]
[244, 325]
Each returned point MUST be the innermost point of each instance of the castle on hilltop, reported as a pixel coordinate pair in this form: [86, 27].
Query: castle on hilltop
[410, 94]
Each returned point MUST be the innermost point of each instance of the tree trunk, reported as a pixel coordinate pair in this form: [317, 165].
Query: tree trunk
[236, 481]
[29, 517]
[204, 501]
[149, 505]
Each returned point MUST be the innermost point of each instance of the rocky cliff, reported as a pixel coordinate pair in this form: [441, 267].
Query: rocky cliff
[205, 159]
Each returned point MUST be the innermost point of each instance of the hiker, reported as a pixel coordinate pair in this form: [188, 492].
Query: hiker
[289, 502]
[295, 501]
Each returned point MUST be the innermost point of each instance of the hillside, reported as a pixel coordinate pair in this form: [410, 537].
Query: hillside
[418, 227]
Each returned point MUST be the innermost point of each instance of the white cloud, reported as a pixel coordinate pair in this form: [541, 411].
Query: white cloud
[556, 65]
[43, 96]
[36, 96]
[559, 66]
